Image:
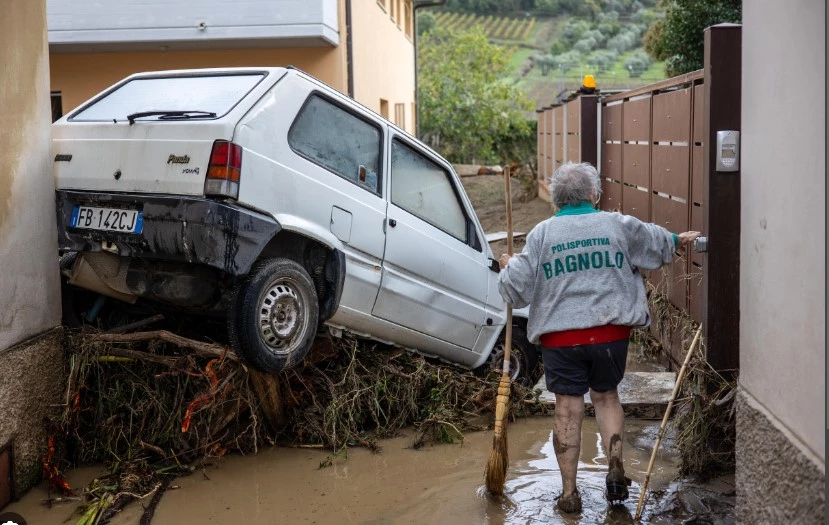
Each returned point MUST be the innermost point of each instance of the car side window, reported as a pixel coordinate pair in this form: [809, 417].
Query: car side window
[339, 141]
[424, 189]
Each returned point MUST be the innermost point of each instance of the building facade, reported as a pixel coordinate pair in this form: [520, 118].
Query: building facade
[364, 48]
[781, 406]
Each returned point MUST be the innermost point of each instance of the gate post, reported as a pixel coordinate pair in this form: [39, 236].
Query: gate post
[721, 224]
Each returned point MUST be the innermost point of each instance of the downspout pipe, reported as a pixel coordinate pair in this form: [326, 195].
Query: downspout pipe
[349, 52]
[418, 4]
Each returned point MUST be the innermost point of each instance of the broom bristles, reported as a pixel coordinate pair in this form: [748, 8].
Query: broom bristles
[496, 467]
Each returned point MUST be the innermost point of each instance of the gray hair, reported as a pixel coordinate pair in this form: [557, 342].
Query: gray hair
[575, 183]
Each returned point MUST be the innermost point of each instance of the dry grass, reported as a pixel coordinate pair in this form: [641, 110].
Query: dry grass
[704, 411]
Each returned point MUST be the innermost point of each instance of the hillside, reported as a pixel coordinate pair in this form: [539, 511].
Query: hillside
[550, 54]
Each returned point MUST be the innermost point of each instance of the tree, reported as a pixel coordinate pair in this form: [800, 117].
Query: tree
[638, 63]
[678, 38]
[425, 23]
[465, 109]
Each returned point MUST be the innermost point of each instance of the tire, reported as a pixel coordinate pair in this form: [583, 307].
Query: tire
[524, 357]
[273, 315]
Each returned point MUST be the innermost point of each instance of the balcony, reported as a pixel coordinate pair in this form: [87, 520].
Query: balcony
[77, 26]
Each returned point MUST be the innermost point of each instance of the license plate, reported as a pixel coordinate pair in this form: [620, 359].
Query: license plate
[107, 219]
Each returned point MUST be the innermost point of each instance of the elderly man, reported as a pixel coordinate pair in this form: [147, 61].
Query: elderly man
[579, 273]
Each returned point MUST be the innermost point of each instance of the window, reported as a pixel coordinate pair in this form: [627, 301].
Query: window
[425, 190]
[213, 93]
[414, 119]
[409, 18]
[338, 141]
[57, 105]
[393, 6]
[400, 115]
[399, 12]
[384, 108]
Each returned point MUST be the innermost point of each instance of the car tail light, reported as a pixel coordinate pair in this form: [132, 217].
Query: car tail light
[224, 170]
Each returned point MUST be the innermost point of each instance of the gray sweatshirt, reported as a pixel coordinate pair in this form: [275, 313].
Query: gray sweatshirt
[580, 269]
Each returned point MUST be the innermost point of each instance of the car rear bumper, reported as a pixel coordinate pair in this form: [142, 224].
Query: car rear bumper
[176, 228]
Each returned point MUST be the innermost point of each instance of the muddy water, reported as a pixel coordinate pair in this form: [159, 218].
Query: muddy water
[435, 485]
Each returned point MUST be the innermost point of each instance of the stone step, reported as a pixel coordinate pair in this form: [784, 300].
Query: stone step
[644, 395]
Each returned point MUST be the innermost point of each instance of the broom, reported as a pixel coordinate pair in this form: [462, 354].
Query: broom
[496, 467]
[679, 378]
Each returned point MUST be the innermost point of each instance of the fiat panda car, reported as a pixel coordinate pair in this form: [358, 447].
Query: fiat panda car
[266, 196]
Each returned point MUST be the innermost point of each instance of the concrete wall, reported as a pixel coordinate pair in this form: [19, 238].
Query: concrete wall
[31, 372]
[783, 244]
[383, 57]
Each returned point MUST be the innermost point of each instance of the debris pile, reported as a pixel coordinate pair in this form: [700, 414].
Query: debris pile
[152, 406]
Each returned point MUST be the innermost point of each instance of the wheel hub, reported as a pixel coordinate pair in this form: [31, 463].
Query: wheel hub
[514, 361]
[280, 315]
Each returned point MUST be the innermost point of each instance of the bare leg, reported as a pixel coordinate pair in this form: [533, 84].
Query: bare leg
[567, 439]
[611, 420]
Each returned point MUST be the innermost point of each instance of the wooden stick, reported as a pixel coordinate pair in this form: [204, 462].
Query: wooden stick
[679, 378]
[199, 347]
[508, 335]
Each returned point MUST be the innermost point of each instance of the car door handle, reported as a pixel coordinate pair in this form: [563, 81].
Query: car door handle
[392, 223]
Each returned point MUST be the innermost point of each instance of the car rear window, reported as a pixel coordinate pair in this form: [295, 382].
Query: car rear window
[209, 93]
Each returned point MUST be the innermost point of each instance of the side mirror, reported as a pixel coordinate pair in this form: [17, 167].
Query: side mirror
[494, 265]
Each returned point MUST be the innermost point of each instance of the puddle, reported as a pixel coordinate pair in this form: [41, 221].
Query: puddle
[435, 485]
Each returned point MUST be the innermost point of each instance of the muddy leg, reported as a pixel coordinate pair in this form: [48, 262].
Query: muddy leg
[567, 439]
[611, 421]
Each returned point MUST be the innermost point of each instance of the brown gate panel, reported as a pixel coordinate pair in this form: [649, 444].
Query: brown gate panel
[636, 164]
[612, 161]
[697, 226]
[612, 195]
[612, 122]
[678, 284]
[697, 166]
[672, 116]
[573, 149]
[699, 114]
[558, 156]
[636, 203]
[558, 119]
[669, 213]
[695, 291]
[574, 115]
[670, 170]
[550, 126]
[637, 124]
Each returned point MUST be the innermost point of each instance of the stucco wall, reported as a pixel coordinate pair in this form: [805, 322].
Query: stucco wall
[383, 60]
[79, 76]
[31, 373]
[783, 245]
[29, 286]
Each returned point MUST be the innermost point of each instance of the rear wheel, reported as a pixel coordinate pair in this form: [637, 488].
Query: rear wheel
[273, 317]
[524, 368]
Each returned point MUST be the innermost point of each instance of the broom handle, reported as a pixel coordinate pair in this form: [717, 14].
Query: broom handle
[679, 378]
[508, 334]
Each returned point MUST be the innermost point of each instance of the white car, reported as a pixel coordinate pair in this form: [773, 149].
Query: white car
[268, 196]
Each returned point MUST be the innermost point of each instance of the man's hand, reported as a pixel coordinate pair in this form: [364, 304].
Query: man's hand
[504, 260]
[687, 238]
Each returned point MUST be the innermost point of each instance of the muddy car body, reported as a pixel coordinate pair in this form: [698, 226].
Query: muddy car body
[264, 195]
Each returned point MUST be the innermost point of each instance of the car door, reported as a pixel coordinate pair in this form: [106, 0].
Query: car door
[434, 268]
[340, 187]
